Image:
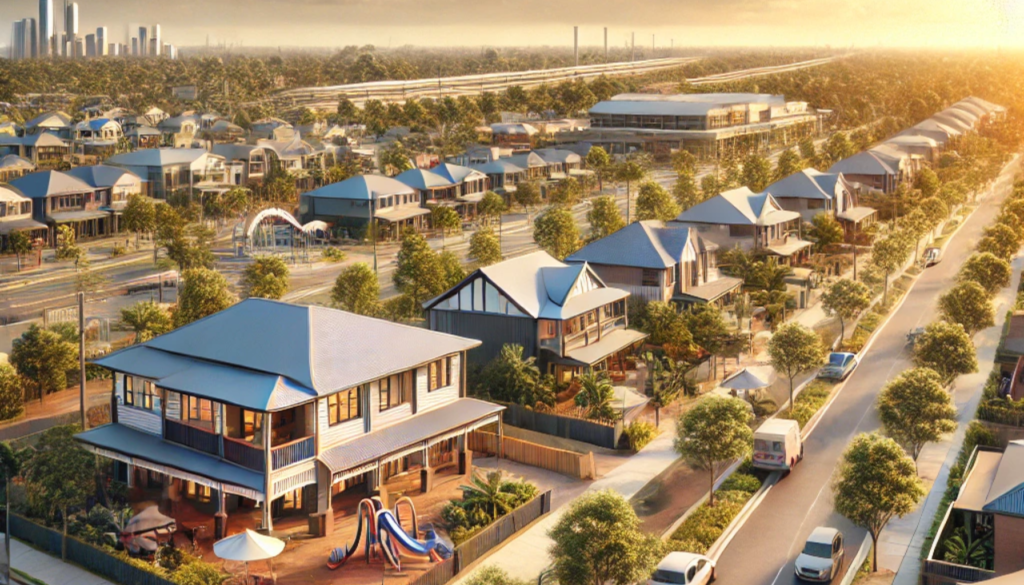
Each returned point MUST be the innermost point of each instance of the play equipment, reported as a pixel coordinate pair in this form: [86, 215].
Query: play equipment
[386, 537]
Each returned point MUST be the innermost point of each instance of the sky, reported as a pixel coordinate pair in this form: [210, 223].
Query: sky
[336, 23]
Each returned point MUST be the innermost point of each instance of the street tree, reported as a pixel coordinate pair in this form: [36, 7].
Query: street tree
[604, 217]
[484, 247]
[916, 225]
[709, 187]
[654, 202]
[147, 319]
[987, 270]
[715, 430]
[630, 171]
[599, 162]
[599, 541]
[845, 299]
[953, 194]
[915, 409]
[44, 358]
[946, 348]
[419, 273]
[19, 244]
[668, 380]
[969, 305]
[685, 191]
[792, 350]
[67, 249]
[683, 162]
[825, 231]
[452, 271]
[491, 206]
[876, 481]
[60, 474]
[527, 194]
[757, 172]
[1001, 240]
[12, 393]
[445, 219]
[203, 293]
[266, 278]
[707, 327]
[838, 147]
[888, 255]
[568, 193]
[808, 151]
[357, 290]
[665, 326]
[555, 231]
[927, 182]
[935, 210]
[789, 163]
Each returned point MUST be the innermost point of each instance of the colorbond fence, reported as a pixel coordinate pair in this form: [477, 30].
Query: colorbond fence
[576, 465]
[602, 435]
[481, 543]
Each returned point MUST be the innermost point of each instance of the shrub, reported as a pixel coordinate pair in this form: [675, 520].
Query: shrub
[332, 254]
[523, 491]
[117, 250]
[741, 482]
[639, 433]
[706, 524]
[462, 534]
[454, 516]
[199, 572]
[491, 575]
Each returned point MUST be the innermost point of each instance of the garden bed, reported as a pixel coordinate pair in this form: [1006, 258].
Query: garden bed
[809, 401]
[707, 523]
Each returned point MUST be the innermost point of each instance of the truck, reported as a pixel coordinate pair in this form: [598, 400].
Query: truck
[777, 445]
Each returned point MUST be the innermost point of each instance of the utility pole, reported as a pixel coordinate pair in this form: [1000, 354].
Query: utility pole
[81, 356]
[576, 44]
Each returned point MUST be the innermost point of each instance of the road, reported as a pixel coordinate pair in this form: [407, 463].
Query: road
[763, 551]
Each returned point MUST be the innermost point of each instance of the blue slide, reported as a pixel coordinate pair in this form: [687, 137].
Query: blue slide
[396, 542]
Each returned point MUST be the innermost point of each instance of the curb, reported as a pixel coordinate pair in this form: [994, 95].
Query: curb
[858, 560]
[719, 546]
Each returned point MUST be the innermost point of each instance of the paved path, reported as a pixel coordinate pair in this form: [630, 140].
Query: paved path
[49, 569]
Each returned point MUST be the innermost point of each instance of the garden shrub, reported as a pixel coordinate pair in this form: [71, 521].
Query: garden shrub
[742, 482]
[332, 254]
[639, 434]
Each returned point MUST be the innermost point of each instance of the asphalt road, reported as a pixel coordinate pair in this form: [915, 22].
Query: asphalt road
[763, 551]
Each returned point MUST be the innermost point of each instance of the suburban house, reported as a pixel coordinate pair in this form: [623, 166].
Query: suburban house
[447, 184]
[269, 414]
[923, 146]
[272, 129]
[472, 184]
[13, 166]
[179, 131]
[98, 137]
[941, 133]
[61, 199]
[16, 216]
[167, 170]
[113, 184]
[752, 221]
[562, 314]
[294, 156]
[44, 149]
[56, 123]
[503, 174]
[518, 137]
[142, 137]
[810, 192]
[561, 163]
[226, 132]
[658, 262]
[870, 170]
[988, 510]
[249, 162]
[354, 203]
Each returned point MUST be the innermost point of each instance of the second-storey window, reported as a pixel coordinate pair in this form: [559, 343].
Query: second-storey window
[395, 390]
[200, 410]
[129, 391]
[439, 374]
[344, 406]
[651, 277]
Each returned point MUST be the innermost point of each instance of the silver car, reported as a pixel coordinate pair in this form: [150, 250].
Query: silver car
[822, 557]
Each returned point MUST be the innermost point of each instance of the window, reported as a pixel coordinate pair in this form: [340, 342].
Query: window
[395, 390]
[251, 422]
[200, 410]
[815, 203]
[344, 406]
[439, 374]
[670, 276]
[650, 277]
[129, 393]
[548, 329]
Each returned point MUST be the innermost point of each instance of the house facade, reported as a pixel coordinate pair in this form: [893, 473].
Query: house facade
[276, 411]
[62, 199]
[810, 192]
[166, 170]
[353, 204]
[16, 216]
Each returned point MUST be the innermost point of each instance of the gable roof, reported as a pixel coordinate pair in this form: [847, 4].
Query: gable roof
[807, 184]
[49, 120]
[47, 183]
[1006, 494]
[13, 161]
[314, 350]
[527, 159]
[421, 179]
[10, 194]
[558, 155]
[95, 124]
[363, 188]
[738, 207]
[157, 157]
[863, 163]
[498, 167]
[101, 176]
[456, 173]
[643, 244]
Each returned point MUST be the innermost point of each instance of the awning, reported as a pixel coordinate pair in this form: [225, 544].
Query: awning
[974, 493]
[69, 216]
[408, 433]
[789, 248]
[610, 343]
[857, 214]
[20, 225]
[712, 291]
[401, 213]
[176, 459]
[472, 198]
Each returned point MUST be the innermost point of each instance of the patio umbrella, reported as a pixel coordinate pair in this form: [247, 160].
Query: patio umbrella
[249, 546]
[744, 380]
[148, 520]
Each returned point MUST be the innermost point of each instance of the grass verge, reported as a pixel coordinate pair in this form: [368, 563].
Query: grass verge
[707, 523]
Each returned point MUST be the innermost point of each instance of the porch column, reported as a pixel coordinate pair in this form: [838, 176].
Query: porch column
[465, 456]
[321, 523]
[426, 473]
[501, 439]
[268, 522]
[220, 519]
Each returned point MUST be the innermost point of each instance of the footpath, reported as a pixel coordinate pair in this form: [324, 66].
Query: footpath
[49, 569]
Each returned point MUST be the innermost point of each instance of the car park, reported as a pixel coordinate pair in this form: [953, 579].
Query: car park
[822, 556]
[840, 365]
[683, 568]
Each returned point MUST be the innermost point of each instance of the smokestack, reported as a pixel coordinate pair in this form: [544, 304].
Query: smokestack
[576, 44]
[606, 44]
[632, 47]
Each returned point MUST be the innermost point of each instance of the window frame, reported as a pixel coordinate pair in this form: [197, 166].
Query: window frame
[334, 411]
[439, 374]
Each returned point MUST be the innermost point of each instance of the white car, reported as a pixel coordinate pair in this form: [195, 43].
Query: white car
[822, 557]
[683, 568]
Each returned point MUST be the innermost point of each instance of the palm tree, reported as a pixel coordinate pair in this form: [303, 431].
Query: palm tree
[596, 395]
[485, 492]
[667, 382]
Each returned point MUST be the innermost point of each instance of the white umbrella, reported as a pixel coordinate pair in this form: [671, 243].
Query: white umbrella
[249, 546]
[744, 380]
[148, 520]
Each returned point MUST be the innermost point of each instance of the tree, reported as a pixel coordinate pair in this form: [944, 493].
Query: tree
[598, 541]
[19, 243]
[484, 247]
[445, 219]
[357, 290]
[789, 163]
[204, 293]
[147, 319]
[792, 350]
[631, 170]
[664, 325]
[987, 270]
[927, 182]
[493, 575]
[845, 299]
[683, 162]
[419, 273]
[888, 254]
[394, 159]
[10, 467]
[60, 474]
[66, 247]
[838, 147]
[556, 232]
[599, 162]
[452, 271]
[654, 202]
[685, 191]
[12, 394]
[915, 409]
[527, 194]
[915, 225]
[44, 358]
[707, 327]
[935, 210]
[1001, 241]
[969, 305]
[266, 277]
[715, 430]
[825, 231]
[569, 192]
[668, 380]
[596, 395]
[709, 187]
[604, 217]
[876, 481]
[947, 349]
[757, 172]
[511, 377]
[808, 152]
[484, 491]
[491, 206]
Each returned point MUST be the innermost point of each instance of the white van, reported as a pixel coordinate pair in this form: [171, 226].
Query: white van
[777, 445]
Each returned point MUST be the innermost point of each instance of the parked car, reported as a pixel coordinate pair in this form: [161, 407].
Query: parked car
[822, 557]
[840, 365]
[914, 334]
[683, 568]
[777, 445]
[931, 256]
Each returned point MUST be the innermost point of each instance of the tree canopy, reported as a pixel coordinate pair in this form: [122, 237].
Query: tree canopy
[148, 319]
[969, 305]
[946, 348]
[484, 247]
[845, 299]
[556, 233]
[604, 217]
[792, 350]
[715, 430]
[915, 409]
[654, 202]
[357, 290]
[203, 293]
[44, 358]
[266, 278]
[987, 270]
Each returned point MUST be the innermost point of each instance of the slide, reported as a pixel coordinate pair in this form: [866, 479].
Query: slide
[368, 509]
[396, 542]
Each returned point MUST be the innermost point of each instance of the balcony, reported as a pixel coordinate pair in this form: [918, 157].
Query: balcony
[292, 453]
[244, 453]
[192, 437]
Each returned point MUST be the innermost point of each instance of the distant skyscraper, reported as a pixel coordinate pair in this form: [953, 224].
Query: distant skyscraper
[135, 46]
[113, 49]
[155, 34]
[45, 26]
[18, 39]
[70, 26]
[101, 40]
[90, 45]
[79, 46]
[143, 40]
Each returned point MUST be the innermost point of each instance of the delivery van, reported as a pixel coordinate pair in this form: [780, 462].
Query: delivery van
[777, 445]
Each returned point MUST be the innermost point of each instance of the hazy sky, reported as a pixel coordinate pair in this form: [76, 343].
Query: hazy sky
[546, 22]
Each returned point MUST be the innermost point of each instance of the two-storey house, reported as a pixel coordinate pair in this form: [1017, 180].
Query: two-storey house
[16, 216]
[98, 137]
[356, 202]
[61, 199]
[562, 314]
[274, 410]
[659, 262]
[167, 170]
[447, 184]
[113, 185]
[810, 192]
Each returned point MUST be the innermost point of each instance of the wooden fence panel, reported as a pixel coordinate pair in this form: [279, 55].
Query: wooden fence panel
[577, 465]
[595, 433]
